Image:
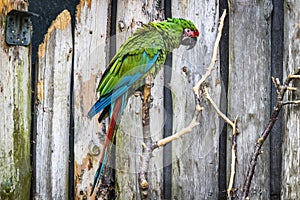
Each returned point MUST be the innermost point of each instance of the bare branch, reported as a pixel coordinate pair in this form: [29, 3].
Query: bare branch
[235, 132]
[211, 67]
[230, 188]
[291, 88]
[291, 102]
[281, 90]
[293, 76]
[179, 134]
[207, 96]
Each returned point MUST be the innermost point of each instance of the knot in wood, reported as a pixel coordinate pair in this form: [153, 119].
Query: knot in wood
[144, 184]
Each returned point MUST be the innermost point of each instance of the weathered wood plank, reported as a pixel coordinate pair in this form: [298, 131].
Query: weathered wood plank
[53, 110]
[130, 15]
[195, 156]
[249, 87]
[15, 112]
[291, 118]
[90, 59]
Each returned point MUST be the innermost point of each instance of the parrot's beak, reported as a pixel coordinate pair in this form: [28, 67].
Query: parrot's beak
[189, 41]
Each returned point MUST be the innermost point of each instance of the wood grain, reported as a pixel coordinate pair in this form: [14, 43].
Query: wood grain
[249, 87]
[131, 15]
[90, 59]
[15, 112]
[195, 157]
[52, 117]
[291, 120]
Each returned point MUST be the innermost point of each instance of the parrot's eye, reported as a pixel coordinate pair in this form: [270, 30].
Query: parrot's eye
[189, 33]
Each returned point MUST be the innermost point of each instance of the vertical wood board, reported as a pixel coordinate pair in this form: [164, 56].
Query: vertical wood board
[291, 119]
[15, 112]
[130, 16]
[90, 59]
[195, 155]
[52, 110]
[249, 88]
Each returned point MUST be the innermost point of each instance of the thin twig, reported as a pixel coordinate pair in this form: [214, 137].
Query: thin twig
[293, 76]
[235, 132]
[211, 67]
[177, 135]
[207, 96]
[281, 90]
[290, 102]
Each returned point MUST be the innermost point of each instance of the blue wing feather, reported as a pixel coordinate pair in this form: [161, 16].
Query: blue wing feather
[123, 86]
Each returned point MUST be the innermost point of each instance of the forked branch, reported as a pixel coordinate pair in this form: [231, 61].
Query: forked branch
[281, 90]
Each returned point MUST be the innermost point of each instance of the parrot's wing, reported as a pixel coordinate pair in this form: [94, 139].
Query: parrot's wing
[122, 84]
[133, 60]
[133, 55]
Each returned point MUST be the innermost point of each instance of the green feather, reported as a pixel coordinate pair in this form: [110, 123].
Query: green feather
[152, 38]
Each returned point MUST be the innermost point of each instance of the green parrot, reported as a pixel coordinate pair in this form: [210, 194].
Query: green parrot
[142, 53]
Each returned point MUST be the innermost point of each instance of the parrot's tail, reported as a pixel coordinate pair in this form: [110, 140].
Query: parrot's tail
[108, 138]
[101, 104]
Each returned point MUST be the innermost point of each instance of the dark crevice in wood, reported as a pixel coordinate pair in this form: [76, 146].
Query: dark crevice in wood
[224, 67]
[71, 188]
[276, 71]
[168, 120]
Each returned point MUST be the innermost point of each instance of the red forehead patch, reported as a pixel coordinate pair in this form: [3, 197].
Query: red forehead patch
[196, 33]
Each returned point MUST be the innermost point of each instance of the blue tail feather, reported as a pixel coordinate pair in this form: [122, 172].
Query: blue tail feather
[98, 174]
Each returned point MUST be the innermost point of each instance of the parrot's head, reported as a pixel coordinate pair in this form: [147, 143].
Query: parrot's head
[189, 33]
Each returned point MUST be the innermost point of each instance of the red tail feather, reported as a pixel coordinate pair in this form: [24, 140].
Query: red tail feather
[111, 127]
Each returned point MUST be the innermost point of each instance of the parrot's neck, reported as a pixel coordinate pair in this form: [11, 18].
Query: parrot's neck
[172, 37]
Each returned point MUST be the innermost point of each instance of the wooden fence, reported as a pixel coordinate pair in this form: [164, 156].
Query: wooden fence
[49, 149]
